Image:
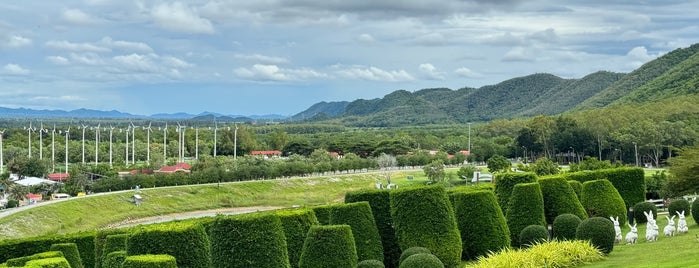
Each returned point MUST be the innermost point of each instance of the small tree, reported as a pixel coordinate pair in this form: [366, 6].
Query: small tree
[466, 172]
[386, 162]
[544, 166]
[435, 171]
[498, 163]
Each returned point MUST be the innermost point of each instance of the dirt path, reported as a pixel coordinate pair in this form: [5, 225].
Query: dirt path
[188, 215]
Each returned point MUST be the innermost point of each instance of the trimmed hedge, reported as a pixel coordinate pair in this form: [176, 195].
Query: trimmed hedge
[70, 252]
[113, 243]
[323, 213]
[14, 248]
[695, 210]
[248, 240]
[187, 242]
[599, 231]
[150, 261]
[526, 208]
[481, 223]
[577, 187]
[601, 199]
[505, 182]
[560, 198]
[99, 241]
[424, 217]
[21, 261]
[422, 260]
[296, 224]
[370, 264]
[58, 262]
[366, 236]
[565, 226]
[114, 259]
[679, 205]
[641, 207]
[329, 246]
[412, 251]
[629, 182]
[380, 202]
[532, 235]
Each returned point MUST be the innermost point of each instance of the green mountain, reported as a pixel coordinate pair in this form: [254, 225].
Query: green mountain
[331, 109]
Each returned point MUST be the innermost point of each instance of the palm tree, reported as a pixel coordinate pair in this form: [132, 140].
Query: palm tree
[18, 192]
[5, 183]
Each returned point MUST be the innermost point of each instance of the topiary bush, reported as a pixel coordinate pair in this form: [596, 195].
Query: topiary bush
[629, 182]
[695, 210]
[577, 187]
[422, 260]
[21, 261]
[533, 234]
[114, 259]
[565, 226]
[13, 248]
[248, 240]
[380, 203]
[641, 207]
[424, 217]
[323, 213]
[505, 182]
[370, 264]
[296, 224]
[99, 241]
[526, 208]
[366, 236]
[186, 241]
[150, 261]
[329, 246]
[481, 223]
[58, 262]
[70, 252]
[679, 205]
[570, 253]
[601, 199]
[560, 198]
[412, 251]
[599, 231]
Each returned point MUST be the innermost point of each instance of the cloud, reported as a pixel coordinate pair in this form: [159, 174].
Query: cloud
[175, 62]
[78, 17]
[178, 17]
[372, 73]
[88, 58]
[468, 73]
[262, 72]
[77, 47]
[430, 72]
[262, 58]
[366, 38]
[14, 69]
[519, 54]
[136, 62]
[14, 41]
[126, 45]
[58, 60]
[639, 55]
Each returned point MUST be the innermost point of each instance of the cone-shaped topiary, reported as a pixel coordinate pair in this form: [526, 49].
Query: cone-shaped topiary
[641, 207]
[186, 241]
[599, 231]
[505, 182]
[114, 259]
[329, 246]
[422, 260]
[150, 261]
[248, 240]
[601, 199]
[679, 205]
[366, 236]
[380, 203]
[70, 252]
[370, 264]
[695, 210]
[533, 234]
[526, 208]
[565, 226]
[560, 198]
[577, 187]
[296, 224]
[481, 222]
[412, 251]
[424, 217]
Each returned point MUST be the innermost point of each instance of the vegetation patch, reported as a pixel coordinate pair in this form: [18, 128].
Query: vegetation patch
[549, 254]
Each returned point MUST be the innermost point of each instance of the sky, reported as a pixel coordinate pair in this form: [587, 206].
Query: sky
[282, 56]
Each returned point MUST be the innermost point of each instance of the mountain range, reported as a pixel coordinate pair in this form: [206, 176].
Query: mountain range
[97, 114]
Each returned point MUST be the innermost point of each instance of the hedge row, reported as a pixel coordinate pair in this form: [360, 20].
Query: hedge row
[366, 236]
[114, 259]
[630, 182]
[505, 182]
[560, 198]
[99, 243]
[58, 262]
[296, 224]
[187, 242]
[14, 248]
[526, 208]
[70, 252]
[380, 203]
[248, 240]
[150, 261]
[601, 199]
[481, 223]
[21, 261]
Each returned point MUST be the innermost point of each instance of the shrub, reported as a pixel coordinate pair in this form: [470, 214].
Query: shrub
[679, 205]
[370, 264]
[599, 231]
[526, 208]
[695, 210]
[380, 203]
[323, 213]
[21, 261]
[412, 251]
[99, 241]
[629, 182]
[577, 187]
[424, 217]
[57, 262]
[70, 252]
[601, 199]
[422, 260]
[329, 246]
[641, 207]
[248, 240]
[551, 254]
[366, 235]
[533, 234]
[296, 224]
[505, 182]
[150, 261]
[114, 259]
[13, 248]
[560, 198]
[565, 226]
[187, 242]
[481, 223]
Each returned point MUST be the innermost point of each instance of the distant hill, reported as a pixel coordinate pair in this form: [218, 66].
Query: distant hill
[97, 114]
[329, 108]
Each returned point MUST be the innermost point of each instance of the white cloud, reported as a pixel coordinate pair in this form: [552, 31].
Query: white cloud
[367, 38]
[126, 45]
[14, 69]
[262, 58]
[88, 58]
[262, 72]
[14, 41]
[468, 73]
[77, 47]
[519, 54]
[137, 62]
[639, 55]
[178, 17]
[175, 62]
[430, 72]
[58, 60]
[78, 17]
[375, 74]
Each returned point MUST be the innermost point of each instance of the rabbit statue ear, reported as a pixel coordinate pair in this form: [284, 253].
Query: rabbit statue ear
[617, 218]
[611, 218]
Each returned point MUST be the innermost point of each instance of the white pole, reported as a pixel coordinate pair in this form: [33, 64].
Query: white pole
[215, 141]
[97, 143]
[41, 142]
[53, 149]
[2, 164]
[235, 143]
[133, 145]
[29, 141]
[165, 143]
[67, 133]
[84, 144]
[196, 143]
[111, 130]
[127, 145]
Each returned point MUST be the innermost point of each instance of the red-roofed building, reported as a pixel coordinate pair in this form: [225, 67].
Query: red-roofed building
[179, 167]
[58, 176]
[267, 154]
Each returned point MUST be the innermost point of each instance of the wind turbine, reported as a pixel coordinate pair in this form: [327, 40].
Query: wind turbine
[53, 148]
[148, 131]
[133, 143]
[84, 127]
[29, 140]
[97, 143]
[180, 130]
[2, 165]
[41, 141]
[196, 143]
[67, 134]
[215, 130]
[128, 129]
[235, 143]
[165, 142]
[111, 130]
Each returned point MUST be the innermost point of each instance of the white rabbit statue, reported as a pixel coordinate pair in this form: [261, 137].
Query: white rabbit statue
[632, 236]
[681, 223]
[669, 229]
[651, 227]
[617, 229]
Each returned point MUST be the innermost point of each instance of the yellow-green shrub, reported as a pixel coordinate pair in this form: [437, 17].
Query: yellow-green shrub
[551, 254]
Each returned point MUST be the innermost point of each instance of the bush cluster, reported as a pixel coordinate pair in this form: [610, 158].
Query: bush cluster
[481, 223]
[599, 231]
[366, 236]
[601, 199]
[526, 208]
[99, 242]
[21, 261]
[560, 198]
[150, 261]
[380, 203]
[551, 254]
[329, 246]
[629, 182]
[422, 260]
[186, 241]
[323, 213]
[13, 248]
[533, 234]
[505, 182]
[641, 207]
[248, 240]
[296, 224]
[679, 205]
[565, 226]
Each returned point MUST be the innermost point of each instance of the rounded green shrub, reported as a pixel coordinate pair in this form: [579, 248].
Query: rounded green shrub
[533, 234]
[150, 261]
[601, 199]
[412, 251]
[296, 224]
[679, 205]
[248, 240]
[599, 231]
[114, 259]
[641, 207]
[695, 210]
[424, 217]
[505, 183]
[565, 226]
[577, 187]
[422, 260]
[370, 264]
[70, 252]
[560, 198]
[329, 246]
[481, 223]
[186, 241]
[366, 236]
[380, 203]
[57, 262]
[526, 208]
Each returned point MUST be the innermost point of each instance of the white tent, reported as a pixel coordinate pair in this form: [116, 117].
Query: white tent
[31, 181]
